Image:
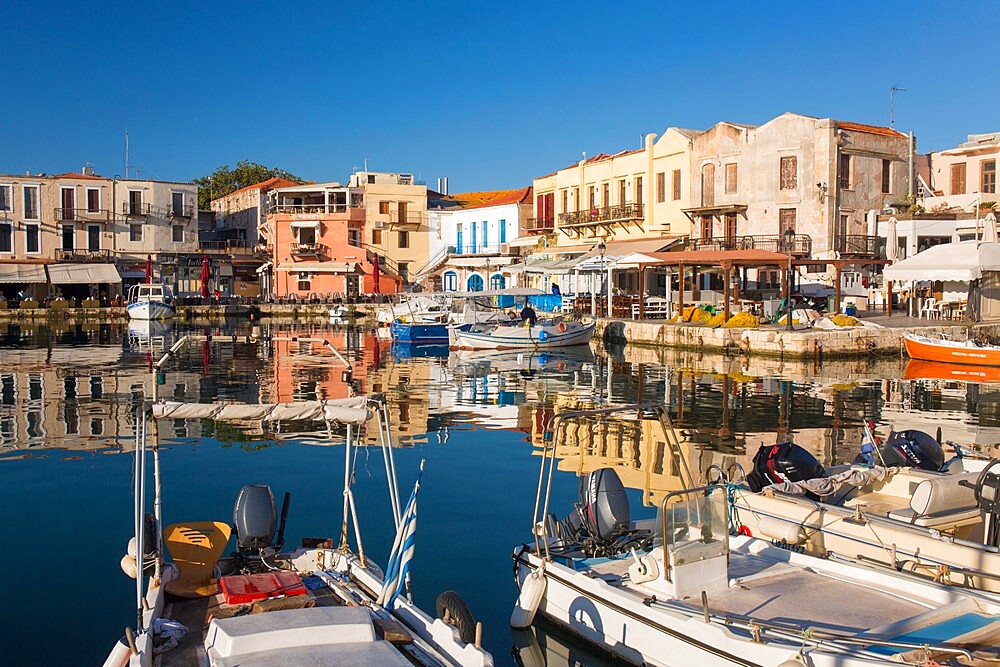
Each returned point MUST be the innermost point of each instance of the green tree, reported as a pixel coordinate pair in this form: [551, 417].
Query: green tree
[225, 180]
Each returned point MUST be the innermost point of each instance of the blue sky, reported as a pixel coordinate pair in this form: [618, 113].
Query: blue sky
[490, 95]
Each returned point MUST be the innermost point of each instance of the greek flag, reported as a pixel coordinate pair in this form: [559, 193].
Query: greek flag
[398, 567]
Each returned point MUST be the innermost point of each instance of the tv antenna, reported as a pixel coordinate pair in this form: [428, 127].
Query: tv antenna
[892, 104]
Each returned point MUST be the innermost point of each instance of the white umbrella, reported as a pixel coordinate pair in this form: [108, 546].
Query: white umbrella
[990, 230]
[892, 241]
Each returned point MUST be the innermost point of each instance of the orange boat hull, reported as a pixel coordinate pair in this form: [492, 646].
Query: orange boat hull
[932, 351]
[937, 370]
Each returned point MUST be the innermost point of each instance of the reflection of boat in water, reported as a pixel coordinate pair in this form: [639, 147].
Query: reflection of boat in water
[544, 334]
[149, 333]
[951, 351]
[318, 604]
[407, 350]
[680, 589]
[150, 301]
[562, 360]
[917, 369]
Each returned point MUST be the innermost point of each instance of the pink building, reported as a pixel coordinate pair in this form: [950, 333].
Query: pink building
[317, 233]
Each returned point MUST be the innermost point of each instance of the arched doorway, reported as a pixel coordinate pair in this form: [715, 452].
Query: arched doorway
[475, 283]
[497, 281]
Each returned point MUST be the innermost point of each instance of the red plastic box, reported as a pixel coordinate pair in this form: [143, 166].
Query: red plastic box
[244, 588]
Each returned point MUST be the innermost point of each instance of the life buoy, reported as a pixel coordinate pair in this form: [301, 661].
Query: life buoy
[451, 609]
[561, 327]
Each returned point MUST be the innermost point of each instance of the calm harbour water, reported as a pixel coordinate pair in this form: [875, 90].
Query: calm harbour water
[67, 398]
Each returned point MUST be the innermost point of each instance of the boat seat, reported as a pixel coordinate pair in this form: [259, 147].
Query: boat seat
[195, 548]
[941, 502]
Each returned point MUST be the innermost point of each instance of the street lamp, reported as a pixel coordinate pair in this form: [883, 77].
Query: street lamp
[789, 235]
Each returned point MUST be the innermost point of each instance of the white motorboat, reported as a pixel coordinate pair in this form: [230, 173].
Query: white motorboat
[322, 603]
[543, 334]
[678, 589]
[906, 509]
[150, 301]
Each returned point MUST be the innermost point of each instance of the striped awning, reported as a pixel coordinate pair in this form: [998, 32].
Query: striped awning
[83, 274]
[22, 273]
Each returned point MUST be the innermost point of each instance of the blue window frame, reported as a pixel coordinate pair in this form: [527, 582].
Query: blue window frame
[503, 231]
[475, 283]
[450, 282]
[458, 241]
[473, 246]
[486, 241]
[497, 281]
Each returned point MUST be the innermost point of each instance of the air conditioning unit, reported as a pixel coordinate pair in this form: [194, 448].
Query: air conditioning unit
[504, 248]
[378, 224]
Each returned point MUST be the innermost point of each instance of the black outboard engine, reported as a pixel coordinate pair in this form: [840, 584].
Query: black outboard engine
[784, 462]
[604, 506]
[910, 449]
[254, 517]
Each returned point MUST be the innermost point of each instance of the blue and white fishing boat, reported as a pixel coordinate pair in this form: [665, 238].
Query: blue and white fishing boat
[541, 335]
[443, 311]
[150, 301]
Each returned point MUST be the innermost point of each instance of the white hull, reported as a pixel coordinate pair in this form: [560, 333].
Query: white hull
[514, 337]
[150, 310]
[623, 621]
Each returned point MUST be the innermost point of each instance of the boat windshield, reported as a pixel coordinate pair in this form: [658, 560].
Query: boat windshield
[695, 524]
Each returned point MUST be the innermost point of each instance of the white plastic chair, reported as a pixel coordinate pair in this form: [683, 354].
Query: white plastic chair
[929, 309]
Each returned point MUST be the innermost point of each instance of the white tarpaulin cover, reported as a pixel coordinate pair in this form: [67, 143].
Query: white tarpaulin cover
[83, 274]
[22, 273]
[961, 261]
[343, 410]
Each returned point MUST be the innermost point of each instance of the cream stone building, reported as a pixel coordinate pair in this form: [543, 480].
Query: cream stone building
[396, 220]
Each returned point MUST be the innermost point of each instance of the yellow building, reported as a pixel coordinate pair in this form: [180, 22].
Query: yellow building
[396, 220]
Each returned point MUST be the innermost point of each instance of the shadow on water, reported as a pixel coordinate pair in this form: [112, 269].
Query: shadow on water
[67, 414]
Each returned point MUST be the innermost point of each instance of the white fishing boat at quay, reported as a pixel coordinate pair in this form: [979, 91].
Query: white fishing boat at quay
[679, 589]
[325, 602]
[150, 301]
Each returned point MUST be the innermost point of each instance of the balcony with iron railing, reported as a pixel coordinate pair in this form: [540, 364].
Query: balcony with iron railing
[309, 250]
[228, 247]
[801, 244]
[540, 225]
[83, 215]
[622, 213]
[315, 209]
[181, 210]
[82, 255]
[856, 245]
[136, 209]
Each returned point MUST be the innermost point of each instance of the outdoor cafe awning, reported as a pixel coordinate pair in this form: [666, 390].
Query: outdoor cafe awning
[83, 274]
[750, 257]
[617, 251]
[22, 273]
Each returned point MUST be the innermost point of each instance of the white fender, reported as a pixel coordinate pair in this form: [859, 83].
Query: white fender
[532, 591]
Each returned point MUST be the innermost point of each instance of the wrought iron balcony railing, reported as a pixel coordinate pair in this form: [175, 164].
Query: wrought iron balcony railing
[308, 249]
[82, 214]
[540, 224]
[854, 245]
[82, 255]
[801, 244]
[181, 210]
[620, 213]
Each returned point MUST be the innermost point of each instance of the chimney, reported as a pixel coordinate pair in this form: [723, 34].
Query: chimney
[445, 179]
[439, 186]
[87, 170]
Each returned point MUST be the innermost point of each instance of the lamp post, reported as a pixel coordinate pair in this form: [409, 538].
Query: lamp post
[489, 284]
[789, 235]
[601, 249]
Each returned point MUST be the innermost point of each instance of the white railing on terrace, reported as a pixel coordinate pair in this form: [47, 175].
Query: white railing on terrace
[432, 263]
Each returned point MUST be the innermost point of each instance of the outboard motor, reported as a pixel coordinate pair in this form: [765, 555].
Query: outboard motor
[784, 462]
[254, 517]
[909, 449]
[604, 506]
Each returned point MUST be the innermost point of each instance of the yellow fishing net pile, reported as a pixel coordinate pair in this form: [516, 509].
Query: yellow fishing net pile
[845, 321]
[742, 321]
[717, 319]
[693, 314]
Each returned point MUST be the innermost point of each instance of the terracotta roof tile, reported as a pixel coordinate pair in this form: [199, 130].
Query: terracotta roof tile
[870, 129]
[85, 177]
[269, 184]
[492, 197]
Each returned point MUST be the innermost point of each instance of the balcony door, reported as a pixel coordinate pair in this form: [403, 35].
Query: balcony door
[93, 238]
[68, 198]
[68, 238]
[731, 230]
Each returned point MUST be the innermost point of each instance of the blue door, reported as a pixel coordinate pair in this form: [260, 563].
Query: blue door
[496, 281]
[472, 248]
[475, 283]
[458, 241]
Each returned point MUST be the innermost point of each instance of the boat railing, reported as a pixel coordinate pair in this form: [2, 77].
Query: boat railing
[550, 438]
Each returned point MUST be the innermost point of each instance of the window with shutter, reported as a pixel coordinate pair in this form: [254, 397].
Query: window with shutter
[958, 179]
[789, 172]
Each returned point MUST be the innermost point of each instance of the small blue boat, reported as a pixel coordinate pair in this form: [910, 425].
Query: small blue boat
[419, 332]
